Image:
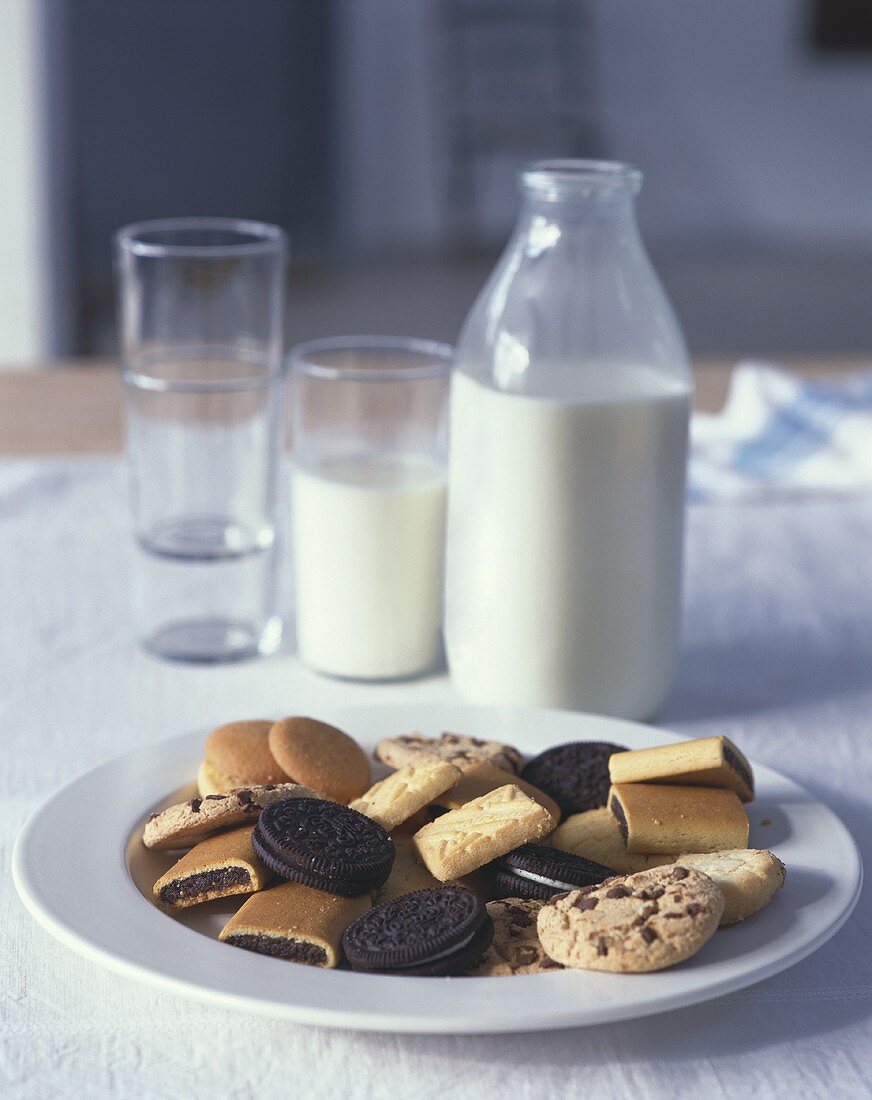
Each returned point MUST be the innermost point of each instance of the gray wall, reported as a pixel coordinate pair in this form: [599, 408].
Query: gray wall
[211, 107]
[742, 133]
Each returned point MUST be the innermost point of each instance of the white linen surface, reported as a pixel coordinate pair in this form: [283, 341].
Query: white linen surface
[778, 655]
[780, 434]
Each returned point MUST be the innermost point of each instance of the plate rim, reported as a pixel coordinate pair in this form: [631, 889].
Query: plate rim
[78, 940]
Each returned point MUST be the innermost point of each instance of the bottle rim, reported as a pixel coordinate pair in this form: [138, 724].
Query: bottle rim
[568, 177]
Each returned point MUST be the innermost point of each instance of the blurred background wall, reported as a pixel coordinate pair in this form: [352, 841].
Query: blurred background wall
[385, 136]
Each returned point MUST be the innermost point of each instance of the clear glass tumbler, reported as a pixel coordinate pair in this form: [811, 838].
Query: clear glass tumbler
[200, 317]
[370, 453]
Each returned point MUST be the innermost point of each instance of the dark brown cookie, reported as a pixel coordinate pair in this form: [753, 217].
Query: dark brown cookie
[323, 845]
[425, 933]
[575, 775]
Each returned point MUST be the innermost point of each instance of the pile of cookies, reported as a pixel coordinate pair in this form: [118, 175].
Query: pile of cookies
[465, 859]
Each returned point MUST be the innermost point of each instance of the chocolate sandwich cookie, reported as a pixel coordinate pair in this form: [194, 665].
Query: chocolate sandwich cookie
[536, 871]
[323, 845]
[427, 933]
[219, 867]
[575, 775]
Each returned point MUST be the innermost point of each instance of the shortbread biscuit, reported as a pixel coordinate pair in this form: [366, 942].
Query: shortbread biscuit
[456, 748]
[295, 922]
[662, 819]
[462, 840]
[515, 948]
[747, 877]
[238, 755]
[479, 777]
[632, 924]
[187, 823]
[706, 762]
[393, 800]
[596, 835]
[320, 756]
[217, 867]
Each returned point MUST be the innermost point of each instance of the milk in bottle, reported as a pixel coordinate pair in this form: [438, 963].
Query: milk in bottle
[570, 406]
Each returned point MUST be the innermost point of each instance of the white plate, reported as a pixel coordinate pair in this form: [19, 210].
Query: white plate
[83, 844]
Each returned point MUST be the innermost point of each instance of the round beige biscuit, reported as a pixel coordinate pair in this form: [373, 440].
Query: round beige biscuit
[211, 782]
[239, 751]
[748, 878]
[595, 834]
[632, 924]
[321, 757]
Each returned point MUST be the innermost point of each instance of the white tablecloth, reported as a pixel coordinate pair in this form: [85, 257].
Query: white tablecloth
[778, 655]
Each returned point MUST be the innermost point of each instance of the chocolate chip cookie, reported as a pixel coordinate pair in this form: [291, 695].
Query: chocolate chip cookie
[634, 923]
[515, 948]
[456, 748]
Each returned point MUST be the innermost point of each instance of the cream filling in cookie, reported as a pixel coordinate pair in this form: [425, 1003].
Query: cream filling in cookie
[542, 880]
[441, 955]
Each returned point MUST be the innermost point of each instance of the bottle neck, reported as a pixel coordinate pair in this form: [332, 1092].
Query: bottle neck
[591, 222]
[576, 197]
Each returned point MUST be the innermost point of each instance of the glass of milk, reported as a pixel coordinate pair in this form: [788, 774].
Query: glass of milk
[369, 421]
[570, 406]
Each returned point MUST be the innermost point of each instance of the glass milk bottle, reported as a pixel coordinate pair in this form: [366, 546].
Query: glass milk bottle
[570, 407]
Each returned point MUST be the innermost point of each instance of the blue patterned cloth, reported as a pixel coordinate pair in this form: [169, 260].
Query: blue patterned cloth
[781, 435]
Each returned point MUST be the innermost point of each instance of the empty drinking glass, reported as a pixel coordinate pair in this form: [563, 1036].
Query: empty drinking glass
[200, 314]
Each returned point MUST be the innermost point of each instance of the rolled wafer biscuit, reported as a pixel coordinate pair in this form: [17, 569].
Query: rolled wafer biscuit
[596, 835]
[706, 762]
[391, 801]
[462, 840]
[295, 922]
[479, 777]
[217, 867]
[664, 820]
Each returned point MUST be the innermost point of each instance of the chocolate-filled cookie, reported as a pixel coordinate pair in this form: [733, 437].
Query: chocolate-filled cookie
[427, 933]
[576, 775]
[536, 871]
[323, 845]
